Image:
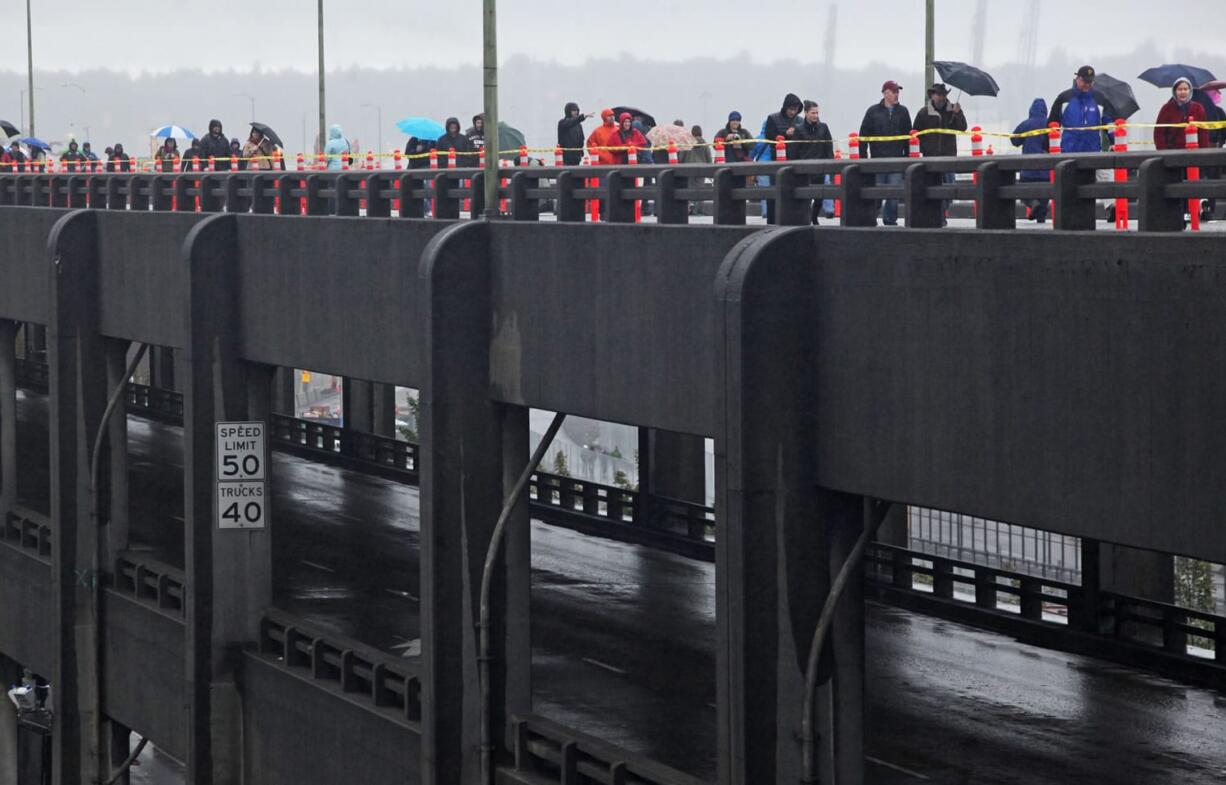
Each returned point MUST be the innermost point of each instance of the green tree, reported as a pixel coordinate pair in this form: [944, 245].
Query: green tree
[560, 466]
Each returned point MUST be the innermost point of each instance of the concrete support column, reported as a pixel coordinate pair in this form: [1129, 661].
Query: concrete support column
[8, 416]
[895, 529]
[118, 747]
[383, 410]
[357, 405]
[780, 536]
[118, 531]
[227, 571]
[470, 449]
[1136, 573]
[77, 382]
[162, 367]
[9, 674]
[284, 386]
[671, 465]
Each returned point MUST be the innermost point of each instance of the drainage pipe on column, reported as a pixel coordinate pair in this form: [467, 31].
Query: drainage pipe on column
[492, 555]
[808, 731]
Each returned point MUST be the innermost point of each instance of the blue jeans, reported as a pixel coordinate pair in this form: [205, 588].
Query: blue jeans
[889, 210]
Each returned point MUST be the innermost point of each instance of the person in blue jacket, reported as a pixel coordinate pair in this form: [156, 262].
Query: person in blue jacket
[1034, 145]
[337, 148]
[1081, 106]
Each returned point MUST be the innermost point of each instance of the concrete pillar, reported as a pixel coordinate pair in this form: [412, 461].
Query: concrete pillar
[8, 416]
[9, 674]
[469, 450]
[383, 410]
[118, 747]
[780, 535]
[357, 405]
[227, 571]
[283, 392]
[117, 448]
[162, 367]
[1136, 573]
[895, 529]
[676, 465]
[77, 383]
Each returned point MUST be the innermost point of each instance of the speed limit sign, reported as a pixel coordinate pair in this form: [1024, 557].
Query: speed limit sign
[241, 457]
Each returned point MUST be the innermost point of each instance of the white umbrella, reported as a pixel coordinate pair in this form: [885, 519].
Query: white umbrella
[172, 132]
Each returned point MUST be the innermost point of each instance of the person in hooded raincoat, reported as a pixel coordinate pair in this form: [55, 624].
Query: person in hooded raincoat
[781, 123]
[604, 137]
[167, 156]
[216, 145]
[13, 159]
[476, 134]
[72, 158]
[1035, 144]
[336, 148]
[570, 134]
[735, 137]
[453, 139]
[191, 157]
[629, 138]
[118, 160]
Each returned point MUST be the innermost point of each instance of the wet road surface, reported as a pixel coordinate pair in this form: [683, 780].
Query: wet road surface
[624, 641]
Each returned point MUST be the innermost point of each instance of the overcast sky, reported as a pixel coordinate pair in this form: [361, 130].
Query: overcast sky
[154, 35]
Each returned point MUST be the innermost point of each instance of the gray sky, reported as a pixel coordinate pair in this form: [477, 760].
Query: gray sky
[154, 35]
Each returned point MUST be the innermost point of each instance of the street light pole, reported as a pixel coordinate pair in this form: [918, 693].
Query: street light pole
[323, 126]
[930, 27]
[490, 36]
[30, 64]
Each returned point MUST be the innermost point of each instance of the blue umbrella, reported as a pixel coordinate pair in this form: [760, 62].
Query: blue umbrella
[172, 132]
[1165, 75]
[30, 141]
[421, 128]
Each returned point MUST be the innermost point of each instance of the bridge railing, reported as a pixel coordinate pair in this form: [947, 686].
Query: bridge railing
[150, 582]
[388, 683]
[548, 752]
[28, 531]
[1159, 188]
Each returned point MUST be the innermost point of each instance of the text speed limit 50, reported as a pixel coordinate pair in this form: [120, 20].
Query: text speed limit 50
[240, 505]
[240, 451]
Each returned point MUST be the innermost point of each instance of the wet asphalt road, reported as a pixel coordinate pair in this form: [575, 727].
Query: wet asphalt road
[624, 640]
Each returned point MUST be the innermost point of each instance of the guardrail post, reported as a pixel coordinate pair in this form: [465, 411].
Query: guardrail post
[790, 210]
[942, 579]
[210, 201]
[1073, 213]
[411, 206]
[162, 192]
[343, 202]
[1219, 641]
[1031, 598]
[994, 212]
[1085, 609]
[446, 204]
[1157, 213]
[315, 203]
[857, 211]
[617, 208]
[569, 208]
[902, 576]
[670, 209]
[138, 196]
[523, 208]
[922, 212]
[985, 589]
[264, 203]
[1174, 639]
[728, 210]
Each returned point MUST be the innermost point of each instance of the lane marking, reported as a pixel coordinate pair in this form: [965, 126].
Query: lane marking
[178, 518]
[400, 593]
[605, 665]
[316, 565]
[348, 517]
[889, 765]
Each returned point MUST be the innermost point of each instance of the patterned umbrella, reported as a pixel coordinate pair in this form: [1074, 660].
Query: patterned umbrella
[172, 132]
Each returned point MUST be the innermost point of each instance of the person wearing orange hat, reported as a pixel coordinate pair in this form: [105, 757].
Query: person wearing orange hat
[603, 138]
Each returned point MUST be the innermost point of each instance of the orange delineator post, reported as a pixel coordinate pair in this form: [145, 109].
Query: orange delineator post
[1121, 175]
[1053, 147]
[976, 151]
[1191, 141]
[593, 205]
[557, 157]
[838, 180]
[913, 145]
[300, 162]
[720, 159]
[196, 167]
[781, 149]
[523, 156]
[853, 146]
[502, 182]
[397, 166]
[433, 167]
[632, 158]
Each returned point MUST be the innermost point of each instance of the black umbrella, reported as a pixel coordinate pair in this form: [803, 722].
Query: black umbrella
[967, 78]
[649, 122]
[1118, 94]
[268, 132]
[1165, 75]
[9, 129]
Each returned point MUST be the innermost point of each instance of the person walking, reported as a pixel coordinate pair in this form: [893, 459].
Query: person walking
[604, 137]
[1034, 144]
[813, 143]
[887, 118]
[258, 151]
[453, 139]
[166, 159]
[735, 138]
[336, 148]
[776, 125]
[570, 134]
[215, 145]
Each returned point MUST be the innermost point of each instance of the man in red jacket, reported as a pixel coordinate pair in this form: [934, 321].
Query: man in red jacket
[604, 137]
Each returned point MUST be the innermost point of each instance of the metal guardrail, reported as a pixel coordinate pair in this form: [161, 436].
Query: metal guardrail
[28, 531]
[149, 582]
[549, 752]
[1158, 188]
[1161, 626]
[388, 684]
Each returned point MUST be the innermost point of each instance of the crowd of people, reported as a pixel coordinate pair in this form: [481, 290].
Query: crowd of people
[1081, 111]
